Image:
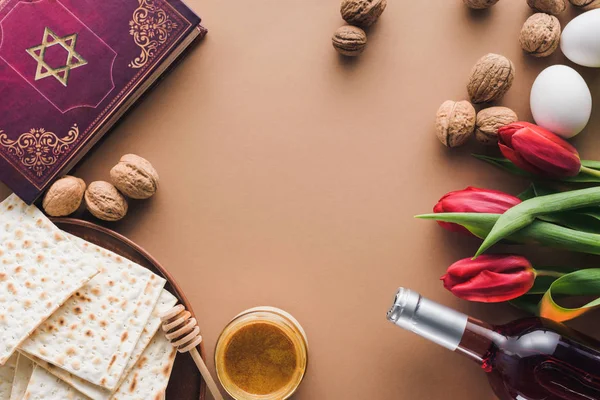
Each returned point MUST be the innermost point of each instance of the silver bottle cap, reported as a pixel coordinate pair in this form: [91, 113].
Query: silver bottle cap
[426, 318]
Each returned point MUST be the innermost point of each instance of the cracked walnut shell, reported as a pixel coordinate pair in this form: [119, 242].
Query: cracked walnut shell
[105, 202]
[64, 196]
[135, 177]
[455, 122]
[553, 7]
[488, 122]
[540, 35]
[479, 4]
[349, 40]
[586, 4]
[362, 12]
[490, 79]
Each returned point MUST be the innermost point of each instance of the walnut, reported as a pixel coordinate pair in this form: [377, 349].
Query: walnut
[540, 35]
[586, 4]
[455, 122]
[480, 4]
[488, 122]
[362, 12]
[349, 40]
[553, 7]
[105, 202]
[491, 77]
[64, 196]
[135, 177]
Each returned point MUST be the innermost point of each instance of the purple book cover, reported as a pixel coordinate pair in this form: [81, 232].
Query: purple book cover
[69, 69]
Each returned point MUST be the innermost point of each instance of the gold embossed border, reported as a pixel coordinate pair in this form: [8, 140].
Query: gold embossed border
[38, 150]
[150, 27]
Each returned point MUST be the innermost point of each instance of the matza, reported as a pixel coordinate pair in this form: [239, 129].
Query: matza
[93, 334]
[165, 302]
[45, 386]
[39, 270]
[22, 375]
[150, 377]
[147, 380]
[7, 374]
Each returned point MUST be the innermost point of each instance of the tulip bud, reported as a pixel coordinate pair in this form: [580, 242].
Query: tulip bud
[539, 151]
[473, 200]
[490, 278]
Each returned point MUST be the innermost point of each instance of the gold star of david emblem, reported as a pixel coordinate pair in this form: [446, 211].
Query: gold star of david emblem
[74, 59]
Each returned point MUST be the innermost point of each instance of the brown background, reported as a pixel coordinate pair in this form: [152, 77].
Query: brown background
[289, 177]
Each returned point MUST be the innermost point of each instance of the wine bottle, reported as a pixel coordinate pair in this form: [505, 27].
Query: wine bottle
[528, 359]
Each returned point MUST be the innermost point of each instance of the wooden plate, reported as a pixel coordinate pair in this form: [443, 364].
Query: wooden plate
[186, 382]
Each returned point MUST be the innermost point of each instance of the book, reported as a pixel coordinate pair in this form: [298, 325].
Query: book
[69, 69]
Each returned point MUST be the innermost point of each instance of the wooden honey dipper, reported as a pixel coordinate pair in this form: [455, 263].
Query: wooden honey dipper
[182, 331]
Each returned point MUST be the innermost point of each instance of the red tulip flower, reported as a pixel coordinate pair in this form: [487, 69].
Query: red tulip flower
[539, 151]
[473, 200]
[490, 278]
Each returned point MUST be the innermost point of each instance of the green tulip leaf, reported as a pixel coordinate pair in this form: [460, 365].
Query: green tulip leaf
[584, 282]
[528, 193]
[525, 213]
[591, 164]
[585, 219]
[530, 301]
[541, 190]
[539, 232]
[574, 220]
[585, 176]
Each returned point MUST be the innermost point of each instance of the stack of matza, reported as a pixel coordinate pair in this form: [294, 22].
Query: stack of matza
[76, 321]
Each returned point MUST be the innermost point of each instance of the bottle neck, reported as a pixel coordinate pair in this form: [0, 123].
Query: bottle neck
[477, 341]
[442, 325]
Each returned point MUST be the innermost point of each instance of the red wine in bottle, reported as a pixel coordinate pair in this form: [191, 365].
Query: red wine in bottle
[528, 359]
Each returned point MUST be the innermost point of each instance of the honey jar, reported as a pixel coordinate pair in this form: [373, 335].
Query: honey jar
[262, 354]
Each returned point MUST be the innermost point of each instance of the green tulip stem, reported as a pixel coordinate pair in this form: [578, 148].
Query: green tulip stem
[590, 171]
[523, 214]
[553, 274]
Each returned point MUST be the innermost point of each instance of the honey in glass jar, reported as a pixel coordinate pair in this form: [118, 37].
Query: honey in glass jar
[262, 354]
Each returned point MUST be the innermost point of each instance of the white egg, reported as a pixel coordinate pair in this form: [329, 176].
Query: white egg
[580, 40]
[561, 101]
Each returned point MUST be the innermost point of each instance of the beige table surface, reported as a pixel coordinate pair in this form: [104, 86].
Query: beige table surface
[289, 177]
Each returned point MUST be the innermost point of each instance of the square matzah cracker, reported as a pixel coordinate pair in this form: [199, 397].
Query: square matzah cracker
[22, 375]
[150, 377]
[165, 302]
[45, 386]
[93, 334]
[147, 380]
[7, 374]
[39, 270]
